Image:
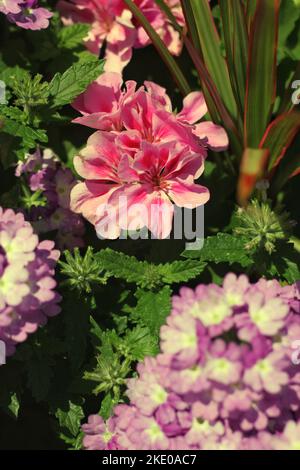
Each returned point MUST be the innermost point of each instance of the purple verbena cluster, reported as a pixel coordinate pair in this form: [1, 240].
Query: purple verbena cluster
[225, 378]
[26, 13]
[27, 295]
[46, 175]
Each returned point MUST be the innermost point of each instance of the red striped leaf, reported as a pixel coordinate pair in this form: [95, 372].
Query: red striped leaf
[261, 74]
[279, 136]
[252, 168]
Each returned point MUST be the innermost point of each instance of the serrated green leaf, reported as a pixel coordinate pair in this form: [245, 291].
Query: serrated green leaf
[71, 36]
[64, 88]
[29, 135]
[70, 418]
[12, 112]
[148, 275]
[14, 405]
[180, 271]
[153, 308]
[106, 406]
[222, 248]
[126, 267]
[141, 343]
[286, 264]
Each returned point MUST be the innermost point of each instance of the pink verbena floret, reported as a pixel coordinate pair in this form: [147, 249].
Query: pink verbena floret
[113, 26]
[44, 173]
[224, 379]
[27, 295]
[26, 13]
[142, 152]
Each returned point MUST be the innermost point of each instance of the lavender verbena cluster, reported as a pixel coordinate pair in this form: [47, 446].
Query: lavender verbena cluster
[26, 13]
[225, 378]
[46, 175]
[27, 295]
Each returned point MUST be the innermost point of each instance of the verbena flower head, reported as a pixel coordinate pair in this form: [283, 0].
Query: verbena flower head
[48, 197]
[224, 379]
[143, 153]
[113, 27]
[26, 13]
[10, 6]
[27, 295]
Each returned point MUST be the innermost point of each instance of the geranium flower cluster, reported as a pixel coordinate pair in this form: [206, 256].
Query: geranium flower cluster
[143, 153]
[26, 13]
[113, 27]
[225, 378]
[52, 182]
[27, 295]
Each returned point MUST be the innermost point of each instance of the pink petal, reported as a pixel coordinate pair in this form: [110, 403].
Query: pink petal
[160, 94]
[100, 159]
[86, 198]
[194, 108]
[216, 136]
[121, 211]
[183, 163]
[185, 193]
[129, 142]
[160, 213]
[126, 171]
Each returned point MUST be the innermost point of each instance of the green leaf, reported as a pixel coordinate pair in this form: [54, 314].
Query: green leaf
[70, 418]
[9, 147]
[161, 48]
[64, 88]
[107, 405]
[71, 36]
[222, 248]
[8, 74]
[236, 42]
[288, 18]
[14, 405]
[279, 136]
[261, 76]
[250, 12]
[286, 264]
[140, 343]
[147, 275]
[180, 271]
[29, 135]
[123, 266]
[153, 308]
[211, 52]
[215, 104]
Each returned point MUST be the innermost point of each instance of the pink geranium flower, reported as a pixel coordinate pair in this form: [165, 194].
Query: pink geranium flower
[112, 26]
[110, 23]
[147, 114]
[144, 153]
[101, 104]
[155, 177]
